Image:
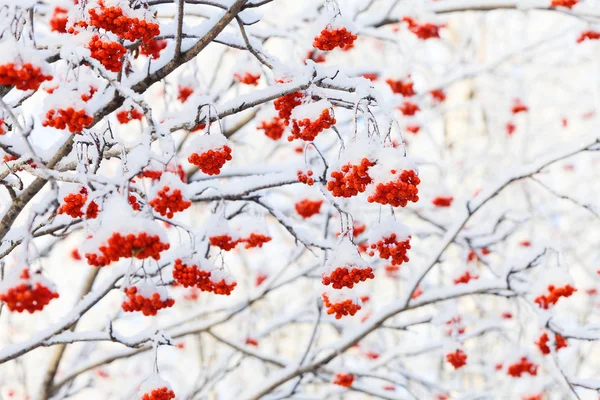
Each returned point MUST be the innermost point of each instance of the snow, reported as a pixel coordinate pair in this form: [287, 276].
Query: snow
[345, 255]
[151, 383]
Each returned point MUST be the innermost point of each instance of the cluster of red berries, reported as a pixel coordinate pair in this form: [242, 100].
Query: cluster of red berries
[162, 393]
[28, 297]
[371, 76]
[210, 162]
[455, 326]
[192, 276]
[248, 78]
[414, 129]
[390, 247]
[133, 202]
[344, 380]
[523, 366]
[347, 277]
[148, 306]
[438, 95]
[458, 359]
[423, 31]
[346, 307]
[224, 242]
[69, 118]
[286, 104]
[405, 88]
[409, 109]
[555, 294]
[88, 96]
[153, 48]
[465, 278]
[169, 203]
[329, 39]
[183, 92]
[442, 201]
[25, 77]
[351, 180]
[139, 246]
[273, 129]
[564, 3]
[399, 192]
[73, 205]
[108, 53]
[307, 208]
[543, 340]
[308, 130]
[251, 342]
[588, 35]
[113, 20]
[58, 22]
[306, 177]
[125, 116]
[255, 240]
[519, 107]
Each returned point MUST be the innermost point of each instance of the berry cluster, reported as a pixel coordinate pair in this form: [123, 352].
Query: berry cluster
[390, 247]
[108, 53]
[113, 20]
[519, 107]
[69, 118]
[438, 95]
[192, 276]
[344, 380]
[307, 208]
[139, 245]
[133, 202]
[414, 129]
[251, 342]
[169, 203]
[465, 278]
[351, 180]
[341, 309]
[329, 39]
[286, 104]
[564, 3]
[210, 162]
[153, 48]
[455, 326]
[308, 130]
[73, 205]
[273, 129]
[28, 296]
[125, 116]
[306, 177]
[458, 359]
[58, 22]
[371, 76]
[347, 276]
[442, 201]
[523, 366]
[423, 31]
[88, 96]
[148, 306]
[224, 242]
[588, 35]
[162, 393]
[401, 87]
[25, 77]
[543, 340]
[255, 240]
[248, 78]
[409, 109]
[554, 295]
[399, 192]
[183, 92]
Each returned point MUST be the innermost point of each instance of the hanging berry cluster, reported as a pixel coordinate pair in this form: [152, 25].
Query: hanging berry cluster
[74, 203]
[524, 366]
[329, 39]
[183, 92]
[153, 48]
[193, 276]
[563, 3]
[162, 393]
[149, 306]
[442, 201]
[273, 129]
[24, 77]
[344, 380]
[211, 161]
[74, 120]
[307, 130]
[518, 107]
[247, 78]
[465, 278]
[167, 204]
[58, 22]
[458, 359]
[588, 35]
[112, 19]
[438, 95]
[109, 54]
[255, 240]
[286, 104]
[405, 88]
[306, 177]
[555, 293]
[423, 31]
[351, 180]
[543, 340]
[307, 208]
[125, 116]
[340, 308]
[409, 108]
[347, 276]
[414, 129]
[399, 192]
[28, 295]
[140, 246]
[390, 247]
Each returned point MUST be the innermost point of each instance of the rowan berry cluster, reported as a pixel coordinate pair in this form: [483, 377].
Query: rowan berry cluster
[543, 340]
[409, 109]
[306, 177]
[347, 276]
[148, 306]
[458, 359]
[58, 22]
[544, 301]
[564, 3]
[465, 278]
[28, 296]
[329, 39]
[438, 95]
[308, 130]
[522, 367]
[24, 77]
[225, 242]
[183, 92]
[286, 104]
[210, 162]
[69, 118]
[399, 192]
[588, 35]
[167, 204]
[273, 129]
[113, 20]
[108, 53]
[405, 88]
[247, 78]
[344, 380]
[518, 107]
[73, 205]
[88, 96]
[390, 247]
[153, 48]
[133, 202]
[414, 129]
[341, 309]
[442, 201]
[125, 116]
[455, 326]
[255, 240]
[162, 393]
[351, 180]
[307, 208]
[139, 245]
[192, 276]
[423, 31]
